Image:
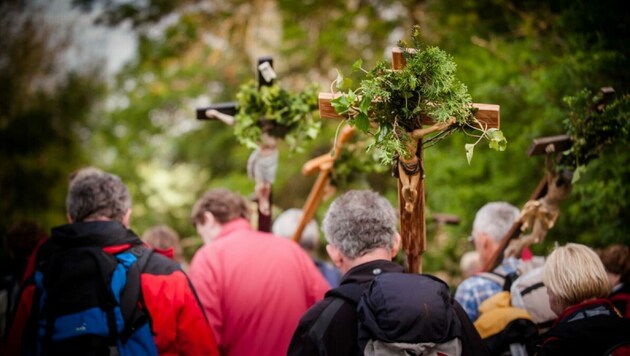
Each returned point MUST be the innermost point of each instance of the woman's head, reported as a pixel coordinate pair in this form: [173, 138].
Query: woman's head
[573, 274]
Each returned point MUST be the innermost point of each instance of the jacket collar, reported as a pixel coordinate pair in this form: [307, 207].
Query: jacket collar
[586, 309]
[234, 225]
[366, 272]
[94, 233]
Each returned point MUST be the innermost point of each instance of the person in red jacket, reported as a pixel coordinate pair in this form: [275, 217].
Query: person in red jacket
[99, 210]
[254, 286]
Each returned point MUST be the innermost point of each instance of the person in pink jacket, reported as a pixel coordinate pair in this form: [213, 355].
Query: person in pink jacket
[253, 286]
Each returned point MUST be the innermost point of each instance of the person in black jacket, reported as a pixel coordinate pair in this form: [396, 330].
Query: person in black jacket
[360, 227]
[588, 323]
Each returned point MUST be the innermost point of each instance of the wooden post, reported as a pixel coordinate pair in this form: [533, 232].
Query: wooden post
[412, 216]
[222, 112]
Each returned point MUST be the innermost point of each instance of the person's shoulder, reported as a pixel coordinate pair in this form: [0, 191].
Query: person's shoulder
[158, 264]
[474, 282]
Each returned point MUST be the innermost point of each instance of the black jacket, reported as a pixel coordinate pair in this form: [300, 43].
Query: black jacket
[589, 328]
[341, 336]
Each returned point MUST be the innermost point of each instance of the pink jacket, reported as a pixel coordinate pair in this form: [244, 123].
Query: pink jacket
[254, 287]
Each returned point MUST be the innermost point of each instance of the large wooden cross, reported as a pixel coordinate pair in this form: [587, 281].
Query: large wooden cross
[411, 200]
[225, 112]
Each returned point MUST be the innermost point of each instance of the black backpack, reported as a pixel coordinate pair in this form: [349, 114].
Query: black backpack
[398, 313]
[89, 302]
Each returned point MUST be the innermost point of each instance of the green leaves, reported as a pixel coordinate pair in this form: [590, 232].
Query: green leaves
[398, 100]
[469, 147]
[277, 112]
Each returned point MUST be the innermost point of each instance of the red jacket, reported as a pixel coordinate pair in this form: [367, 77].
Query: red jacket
[178, 323]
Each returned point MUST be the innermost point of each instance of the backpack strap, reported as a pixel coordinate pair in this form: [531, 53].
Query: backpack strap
[347, 293]
[131, 296]
[503, 280]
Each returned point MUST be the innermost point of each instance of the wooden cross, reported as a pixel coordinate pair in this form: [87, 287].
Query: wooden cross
[552, 188]
[225, 112]
[323, 164]
[411, 200]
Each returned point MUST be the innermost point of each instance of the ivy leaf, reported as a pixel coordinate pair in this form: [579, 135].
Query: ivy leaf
[497, 140]
[577, 174]
[364, 105]
[362, 122]
[341, 104]
[356, 66]
[342, 83]
[470, 147]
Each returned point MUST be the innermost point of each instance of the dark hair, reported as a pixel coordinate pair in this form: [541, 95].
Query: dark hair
[224, 204]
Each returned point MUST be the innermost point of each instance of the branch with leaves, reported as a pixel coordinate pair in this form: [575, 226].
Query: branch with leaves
[276, 112]
[393, 105]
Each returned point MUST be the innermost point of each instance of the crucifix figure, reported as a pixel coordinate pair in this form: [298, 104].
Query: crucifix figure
[263, 162]
[410, 171]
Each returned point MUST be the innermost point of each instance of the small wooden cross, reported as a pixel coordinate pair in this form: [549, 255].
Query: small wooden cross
[411, 200]
[323, 164]
[225, 112]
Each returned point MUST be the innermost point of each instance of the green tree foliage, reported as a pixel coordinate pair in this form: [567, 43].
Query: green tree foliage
[44, 113]
[525, 56]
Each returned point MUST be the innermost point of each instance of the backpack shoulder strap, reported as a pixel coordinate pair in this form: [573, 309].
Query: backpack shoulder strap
[132, 293]
[505, 281]
[347, 293]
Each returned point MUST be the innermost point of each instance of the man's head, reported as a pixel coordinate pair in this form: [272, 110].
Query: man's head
[215, 208]
[97, 195]
[360, 226]
[286, 224]
[573, 274]
[491, 224]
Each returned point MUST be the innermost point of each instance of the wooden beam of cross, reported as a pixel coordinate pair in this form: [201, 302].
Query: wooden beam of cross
[411, 200]
[225, 112]
[512, 243]
[544, 145]
[323, 164]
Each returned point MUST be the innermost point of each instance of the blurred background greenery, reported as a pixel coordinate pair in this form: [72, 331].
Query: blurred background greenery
[139, 122]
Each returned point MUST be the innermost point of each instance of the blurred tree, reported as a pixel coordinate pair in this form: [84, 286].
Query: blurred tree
[42, 110]
[525, 56]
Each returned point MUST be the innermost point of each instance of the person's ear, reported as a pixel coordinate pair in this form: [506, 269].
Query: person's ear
[335, 255]
[396, 245]
[126, 220]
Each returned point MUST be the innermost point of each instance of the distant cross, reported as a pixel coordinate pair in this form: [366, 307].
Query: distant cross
[541, 211]
[324, 165]
[225, 112]
[411, 199]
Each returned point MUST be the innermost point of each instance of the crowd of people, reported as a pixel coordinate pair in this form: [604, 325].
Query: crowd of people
[94, 287]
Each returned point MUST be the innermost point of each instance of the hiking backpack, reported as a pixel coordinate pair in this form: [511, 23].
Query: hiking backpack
[512, 320]
[89, 302]
[398, 313]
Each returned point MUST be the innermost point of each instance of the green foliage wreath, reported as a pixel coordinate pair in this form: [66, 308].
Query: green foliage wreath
[395, 102]
[276, 112]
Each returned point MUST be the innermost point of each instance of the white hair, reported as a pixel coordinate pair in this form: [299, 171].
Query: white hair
[286, 224]
[495, 219]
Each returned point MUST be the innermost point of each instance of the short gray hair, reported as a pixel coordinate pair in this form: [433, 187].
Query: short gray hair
[95, 193]
[360, 221]
[286, 224]
[495, 219]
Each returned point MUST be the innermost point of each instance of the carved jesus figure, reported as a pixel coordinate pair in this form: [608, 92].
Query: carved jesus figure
[261, 167]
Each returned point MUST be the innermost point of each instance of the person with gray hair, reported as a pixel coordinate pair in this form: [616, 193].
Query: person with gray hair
[361, 229]
[287, 223]
[491, 224]
[164, 316]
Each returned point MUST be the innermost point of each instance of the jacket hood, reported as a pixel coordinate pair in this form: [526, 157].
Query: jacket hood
[409, 308]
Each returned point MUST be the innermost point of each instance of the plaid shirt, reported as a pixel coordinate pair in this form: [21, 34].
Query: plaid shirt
[475, 289]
